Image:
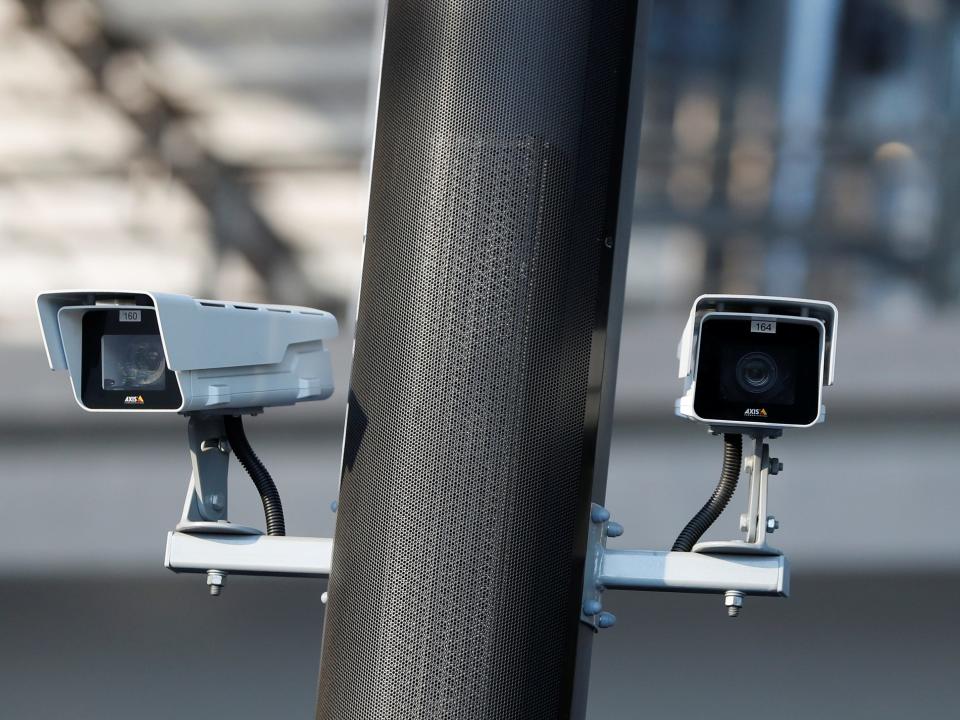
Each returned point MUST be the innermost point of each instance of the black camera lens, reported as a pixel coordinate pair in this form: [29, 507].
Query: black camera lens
[756, 372]
[133, 362]
[144, 364]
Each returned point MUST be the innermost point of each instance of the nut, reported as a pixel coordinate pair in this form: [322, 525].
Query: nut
[733, 599]
[215, 581]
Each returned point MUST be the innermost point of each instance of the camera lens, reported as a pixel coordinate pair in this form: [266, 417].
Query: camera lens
[133, 362]
[144, 364]
[756, 372]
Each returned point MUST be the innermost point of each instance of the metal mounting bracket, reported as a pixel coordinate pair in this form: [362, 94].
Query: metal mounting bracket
[206, 504]
[755, 523]
[734, 574]
[237, 554]
[205, 541]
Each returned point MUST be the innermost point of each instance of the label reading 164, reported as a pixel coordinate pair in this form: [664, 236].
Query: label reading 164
[129, 316]
[763, 326]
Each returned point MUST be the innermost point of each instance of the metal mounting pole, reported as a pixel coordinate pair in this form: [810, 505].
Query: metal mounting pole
[484, 363]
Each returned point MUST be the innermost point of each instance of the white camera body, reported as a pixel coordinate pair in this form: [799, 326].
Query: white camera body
[756, 363]
[157, 352]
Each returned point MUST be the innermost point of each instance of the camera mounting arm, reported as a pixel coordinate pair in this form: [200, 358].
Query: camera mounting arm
[735, 568]
[205, 507]
[755, 523]
[205, 541]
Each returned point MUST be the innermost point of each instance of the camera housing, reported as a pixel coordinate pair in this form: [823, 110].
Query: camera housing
[158, 352]
[754, 362]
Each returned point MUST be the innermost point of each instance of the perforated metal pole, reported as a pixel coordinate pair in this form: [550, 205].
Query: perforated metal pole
[483, 375]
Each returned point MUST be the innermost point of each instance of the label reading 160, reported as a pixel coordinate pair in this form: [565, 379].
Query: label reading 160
[129, 316]
[763, 326]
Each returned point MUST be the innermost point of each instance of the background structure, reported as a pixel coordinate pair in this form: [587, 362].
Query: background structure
[217, 148]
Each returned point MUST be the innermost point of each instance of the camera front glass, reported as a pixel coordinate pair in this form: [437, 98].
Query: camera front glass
[759, 373]
[124, 365]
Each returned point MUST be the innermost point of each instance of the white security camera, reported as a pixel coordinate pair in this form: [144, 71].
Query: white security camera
[214, 362]
[757, 363]
[145, 351]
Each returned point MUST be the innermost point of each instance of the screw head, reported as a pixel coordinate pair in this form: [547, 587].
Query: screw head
[592, 607]
[606, 620]
[599, 514]
[216, 501]
[614, 529]
[744, 523]
[213, 444]
[772, 524]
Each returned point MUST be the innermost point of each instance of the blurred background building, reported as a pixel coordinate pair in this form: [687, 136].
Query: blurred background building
[219, 148]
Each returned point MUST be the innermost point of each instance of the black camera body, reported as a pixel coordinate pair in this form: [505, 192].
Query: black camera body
[755, 362]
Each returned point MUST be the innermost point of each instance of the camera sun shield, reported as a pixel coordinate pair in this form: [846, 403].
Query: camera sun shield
[160, 352]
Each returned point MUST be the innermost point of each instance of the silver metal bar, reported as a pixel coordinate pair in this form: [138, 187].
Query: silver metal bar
[249, 554]
[694, 572]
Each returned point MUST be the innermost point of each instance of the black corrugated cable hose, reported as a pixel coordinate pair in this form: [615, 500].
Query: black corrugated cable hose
[698, 525]
[272, 508]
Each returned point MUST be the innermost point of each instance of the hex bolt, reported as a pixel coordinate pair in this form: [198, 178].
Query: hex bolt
[592, 607]
[775, 466]
[733, 599]
[614, 529]
[772, 524]
[606, 620]
[599, 514]
[215, 581]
